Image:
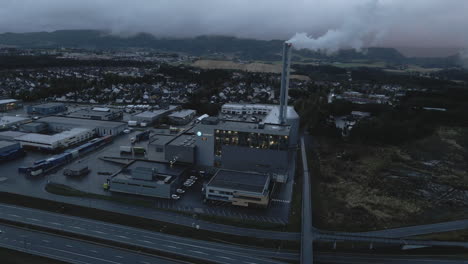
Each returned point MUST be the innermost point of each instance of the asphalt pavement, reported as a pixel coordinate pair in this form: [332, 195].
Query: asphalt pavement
[198, 249]
[307, 232]
[383, 259]
[71, 250]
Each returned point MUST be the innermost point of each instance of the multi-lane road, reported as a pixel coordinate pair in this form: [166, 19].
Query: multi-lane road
[156, 241]
[71, 250]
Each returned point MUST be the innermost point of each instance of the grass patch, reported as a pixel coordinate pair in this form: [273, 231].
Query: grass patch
[361, 187]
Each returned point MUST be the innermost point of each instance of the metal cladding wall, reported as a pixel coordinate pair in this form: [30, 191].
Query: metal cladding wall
[7, 146]
[260, 160]
[162, 190]
[204, 151]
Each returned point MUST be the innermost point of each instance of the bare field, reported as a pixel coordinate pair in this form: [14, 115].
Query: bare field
[367, 187]
[249, 67]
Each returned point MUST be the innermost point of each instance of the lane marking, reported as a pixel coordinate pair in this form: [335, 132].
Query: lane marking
[223, 257]
[69, 246]
[198, 252]
[172, 247]
[99, 232]
[34, 219]
[146, 241]
[45, 241]
[54, 223]
[14, 215]
[124, 237]
[120, 257]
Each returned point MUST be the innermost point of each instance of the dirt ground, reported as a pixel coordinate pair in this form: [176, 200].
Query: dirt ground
[372, 187]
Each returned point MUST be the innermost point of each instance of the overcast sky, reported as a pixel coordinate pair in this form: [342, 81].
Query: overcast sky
[420, 23]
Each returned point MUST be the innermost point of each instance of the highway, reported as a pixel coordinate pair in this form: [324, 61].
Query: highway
[419, 230]
[307, 232]
[349, 258]
[198, 249]
[171, 217]
[71, 250]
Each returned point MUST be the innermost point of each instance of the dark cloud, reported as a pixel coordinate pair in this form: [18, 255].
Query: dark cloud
[427, 23]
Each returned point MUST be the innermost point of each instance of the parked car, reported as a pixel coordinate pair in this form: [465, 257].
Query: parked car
[180, 191]
[175, 197]
[193, 178]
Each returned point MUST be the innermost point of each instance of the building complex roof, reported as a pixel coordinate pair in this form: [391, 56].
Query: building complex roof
[240, 180]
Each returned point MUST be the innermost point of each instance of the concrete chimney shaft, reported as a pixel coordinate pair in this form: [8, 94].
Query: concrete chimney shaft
[287, 47]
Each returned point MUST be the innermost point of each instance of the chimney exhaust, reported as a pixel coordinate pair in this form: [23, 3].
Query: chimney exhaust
[285, 82]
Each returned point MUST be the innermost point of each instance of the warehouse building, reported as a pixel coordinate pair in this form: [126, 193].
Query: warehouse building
[232, 141]
[148, 179]
[9, 104]
[7, 122]
[151, 117]
[34, 127]
[46, 109]
[182, 117]
[10, 150]
[98, 113]
[58, 141]
[239, 188]
[250, 138]
[10, 135]
[101, 128]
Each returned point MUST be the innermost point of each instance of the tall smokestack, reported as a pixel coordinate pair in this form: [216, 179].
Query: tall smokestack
[285, 82]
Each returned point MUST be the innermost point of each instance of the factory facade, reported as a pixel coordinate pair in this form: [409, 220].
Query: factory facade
[151, 117]
[148, 179]
[239, 188]
[57, 141]
[247, 147]
[7, 122]
[46, 109]
[100, 128]
[98, 113]
[182, 117]
[9, 104]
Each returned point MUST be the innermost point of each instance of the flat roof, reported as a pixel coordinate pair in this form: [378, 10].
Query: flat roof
[240, 180]
[163, 171]
[155, 113]
[34, 124]
[49, 139]
[161, 168]
[5, 143]
[7, 101]
[83, 112]
[47, 105]
[162, 139]
[184, 140]
[282, 130]
[182, 113]
[11, 134]
[12, 119]
[270, 117]
[81, 122]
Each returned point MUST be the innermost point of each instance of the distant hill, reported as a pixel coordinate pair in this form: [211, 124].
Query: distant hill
[245, 49]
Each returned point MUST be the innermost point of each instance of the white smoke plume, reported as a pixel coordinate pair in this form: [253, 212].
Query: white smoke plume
[344, 23]
[365, 25]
